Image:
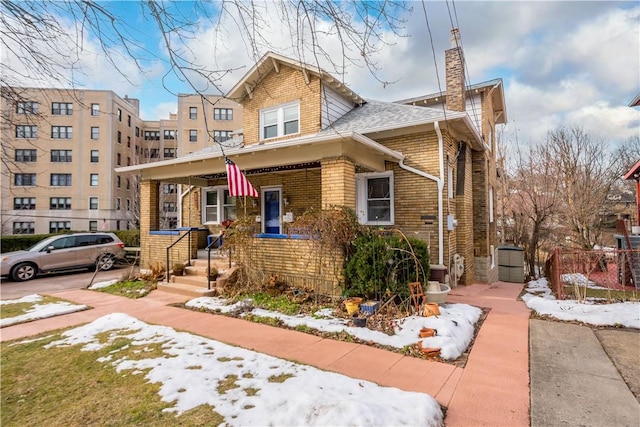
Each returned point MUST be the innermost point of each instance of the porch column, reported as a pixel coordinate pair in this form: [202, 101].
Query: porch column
[338, 183]
[149, 214]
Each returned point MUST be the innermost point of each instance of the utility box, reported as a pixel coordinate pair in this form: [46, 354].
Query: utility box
[511, 264]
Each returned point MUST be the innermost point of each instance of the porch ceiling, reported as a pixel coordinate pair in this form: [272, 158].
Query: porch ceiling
[360, 149]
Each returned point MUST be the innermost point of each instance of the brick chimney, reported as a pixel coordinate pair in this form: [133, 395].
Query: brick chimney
[454, 66]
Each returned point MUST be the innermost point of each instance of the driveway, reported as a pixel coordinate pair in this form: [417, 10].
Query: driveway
[51, 283]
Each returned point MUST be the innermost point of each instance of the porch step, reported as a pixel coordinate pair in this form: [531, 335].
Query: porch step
[187, 290]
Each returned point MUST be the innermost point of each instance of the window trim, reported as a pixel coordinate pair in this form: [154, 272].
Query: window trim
[220, 189]
[97, 200]
[193, 135]
[193, 113]
[361, 197]
[91, 176]
[280, 122]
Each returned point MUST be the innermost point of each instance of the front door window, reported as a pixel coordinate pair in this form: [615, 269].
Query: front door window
[271, 198]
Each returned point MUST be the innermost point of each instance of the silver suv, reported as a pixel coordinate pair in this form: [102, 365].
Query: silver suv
[64, 252]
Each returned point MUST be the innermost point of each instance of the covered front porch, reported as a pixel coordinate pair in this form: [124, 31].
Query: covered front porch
[292, 177]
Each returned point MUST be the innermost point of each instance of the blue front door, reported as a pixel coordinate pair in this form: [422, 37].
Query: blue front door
[272, 211]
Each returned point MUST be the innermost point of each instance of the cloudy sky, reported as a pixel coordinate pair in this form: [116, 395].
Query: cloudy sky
[563, 63]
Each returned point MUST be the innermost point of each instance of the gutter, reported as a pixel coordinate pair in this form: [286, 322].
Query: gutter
[440, 182]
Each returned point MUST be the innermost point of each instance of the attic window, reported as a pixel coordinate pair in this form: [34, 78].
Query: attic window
[280, 121]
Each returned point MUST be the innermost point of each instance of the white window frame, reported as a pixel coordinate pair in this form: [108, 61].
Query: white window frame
[361, 198]
[279, 109]
[220, 211]
[93, 183]
[95, 109]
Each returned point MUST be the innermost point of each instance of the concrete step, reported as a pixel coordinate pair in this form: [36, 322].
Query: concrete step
[186, 289]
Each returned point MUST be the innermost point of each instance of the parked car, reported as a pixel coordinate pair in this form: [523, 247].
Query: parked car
[64, 252]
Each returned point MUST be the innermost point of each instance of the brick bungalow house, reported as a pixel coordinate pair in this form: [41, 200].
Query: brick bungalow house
[425, 166]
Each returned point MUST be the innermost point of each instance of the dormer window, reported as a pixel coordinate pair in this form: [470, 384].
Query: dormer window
[280, 121]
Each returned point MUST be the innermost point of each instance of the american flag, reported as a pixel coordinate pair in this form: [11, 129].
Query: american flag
[238, 184]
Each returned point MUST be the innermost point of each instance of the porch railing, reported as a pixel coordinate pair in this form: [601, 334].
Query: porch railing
[188, 236]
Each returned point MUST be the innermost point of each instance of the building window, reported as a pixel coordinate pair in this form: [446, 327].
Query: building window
[193, 135]
[137, 131]
[128, 184]
[61, 108]
[26, 131]
[128, 142]
[154, 153]
[119, 137]
[169, 153]
[118, 207]
[374, 198]
[222, 114]
[150, 135]
[93, 203]
[28, 107]
[128, 161]
[169, 134]
[169, 189]
[24, 203]
[24, 227]
[119, 159]
[58, 226]
[193, 113]
[61, 132]
[95, 156]
[280, 121]
[95, 132]
[93, 179]
[221, 135]
[95, 109]
[60, 180]
[128, 204]
[24, 179]
[118, 181]
[61, 156]
[218, 205]
[128, 120]
[93, 225]
[119, 113]
[60, 203]
[25, 155]
[169, 207]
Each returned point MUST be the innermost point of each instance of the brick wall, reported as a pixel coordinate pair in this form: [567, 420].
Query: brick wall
[454, 69]
[299, 262]
[338, 183]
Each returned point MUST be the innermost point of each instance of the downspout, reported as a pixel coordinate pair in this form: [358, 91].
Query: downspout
[440, 182]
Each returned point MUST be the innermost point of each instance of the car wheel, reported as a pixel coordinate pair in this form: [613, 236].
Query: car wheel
[105, 262]
[24, 271]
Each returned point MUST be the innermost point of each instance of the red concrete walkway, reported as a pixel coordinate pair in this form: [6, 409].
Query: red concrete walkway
[492, 389]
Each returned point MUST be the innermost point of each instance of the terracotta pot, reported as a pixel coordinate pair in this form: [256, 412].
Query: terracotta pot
[431, 309]
[427, 332]
[428, 351]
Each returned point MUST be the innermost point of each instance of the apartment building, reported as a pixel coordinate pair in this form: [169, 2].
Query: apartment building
[60, 148]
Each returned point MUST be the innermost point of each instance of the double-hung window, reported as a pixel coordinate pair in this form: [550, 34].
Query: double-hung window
[24, 179]
[169, 153]
[193, 113]
[28, 107]
[95, 109]
[221, 135]
[93, 203]
[29, 155]
[374, 201]
[193, 135]
[24, 227]
[58, 226]
[26, 131]
[61, 108]
[95, 132]
[93, 180]
[280, 121]
[218, 205]
[169, 134]
[60, 203]
[95, 156]
[61, 156]
[24, 203]
[223, 114]
[60, 180]
[61, 132]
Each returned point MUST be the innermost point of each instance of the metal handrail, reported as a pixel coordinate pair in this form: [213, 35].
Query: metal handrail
[218, 240]
[188, 252]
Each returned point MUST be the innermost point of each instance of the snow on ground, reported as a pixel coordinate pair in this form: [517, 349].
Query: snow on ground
[39, 311]
[455, 325]
[192, 368]
[540, 299]
[106, 284]
[579, 279]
